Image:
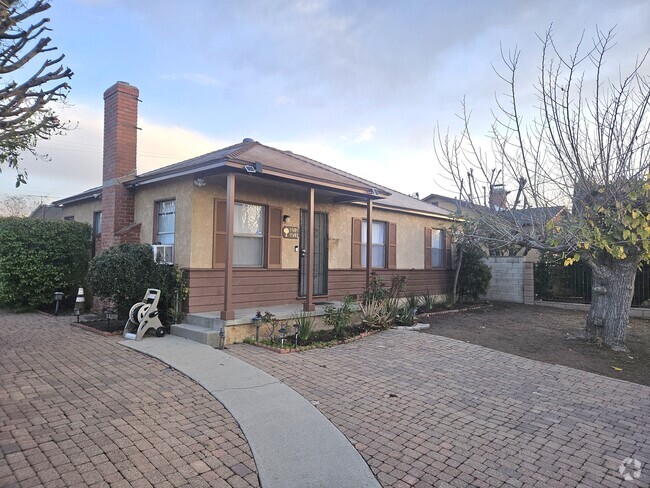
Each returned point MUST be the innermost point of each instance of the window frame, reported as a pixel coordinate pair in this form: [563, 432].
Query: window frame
[264, 236]
[156, 215]
[364, 243]
[443, 250]
[96, 214]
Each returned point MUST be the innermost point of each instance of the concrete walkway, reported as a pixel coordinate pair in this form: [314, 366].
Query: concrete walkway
[293, 444]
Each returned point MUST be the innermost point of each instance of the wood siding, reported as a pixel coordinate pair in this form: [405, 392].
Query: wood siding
[266, 287]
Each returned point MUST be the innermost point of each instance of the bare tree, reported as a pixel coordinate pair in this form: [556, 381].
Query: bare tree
[17, 206]
[586, 150]
[27, 90]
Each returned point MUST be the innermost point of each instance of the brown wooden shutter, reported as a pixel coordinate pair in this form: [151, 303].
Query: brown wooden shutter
[448, 255]
[356, 243]
[392, 246]
[427, 248]
[219, 247]
[274, 241]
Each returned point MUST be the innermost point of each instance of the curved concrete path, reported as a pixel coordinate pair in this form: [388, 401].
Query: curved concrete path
[293, 444]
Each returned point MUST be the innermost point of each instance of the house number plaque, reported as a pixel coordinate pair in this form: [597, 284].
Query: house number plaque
[290, 232]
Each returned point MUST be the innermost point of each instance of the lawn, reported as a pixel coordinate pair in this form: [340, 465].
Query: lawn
[549, 335]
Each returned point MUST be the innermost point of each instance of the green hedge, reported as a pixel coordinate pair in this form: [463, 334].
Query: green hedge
[39, 257]
[123, 273]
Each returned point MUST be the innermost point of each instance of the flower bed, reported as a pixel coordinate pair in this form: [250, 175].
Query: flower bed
[290, 346]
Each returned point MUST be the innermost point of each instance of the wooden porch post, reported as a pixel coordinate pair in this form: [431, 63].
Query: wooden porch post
[368, 242]
[309, 259]
[228, 312]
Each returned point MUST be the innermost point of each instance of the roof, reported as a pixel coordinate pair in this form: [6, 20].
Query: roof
[281, 164]
[89, 194]
[538, 215]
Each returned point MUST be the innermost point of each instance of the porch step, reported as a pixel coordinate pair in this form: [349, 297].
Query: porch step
[209, 320]
[197, 333]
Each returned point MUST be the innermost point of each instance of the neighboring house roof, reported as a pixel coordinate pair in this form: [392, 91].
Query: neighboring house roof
[539, 215]
[283, 164]
[47, 212]
[90, 194]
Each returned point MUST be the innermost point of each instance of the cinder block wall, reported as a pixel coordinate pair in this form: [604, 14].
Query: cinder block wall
[512, 280]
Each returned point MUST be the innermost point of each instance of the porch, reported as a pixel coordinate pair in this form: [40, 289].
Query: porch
[205, 327]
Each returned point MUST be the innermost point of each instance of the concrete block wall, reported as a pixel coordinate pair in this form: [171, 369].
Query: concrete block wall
[512, 279]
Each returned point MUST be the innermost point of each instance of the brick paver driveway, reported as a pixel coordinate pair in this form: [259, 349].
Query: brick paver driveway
[77, 409]
[425, 410]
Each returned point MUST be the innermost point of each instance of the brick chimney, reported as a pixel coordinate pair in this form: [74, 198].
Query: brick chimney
[120, 144]
[498, 197]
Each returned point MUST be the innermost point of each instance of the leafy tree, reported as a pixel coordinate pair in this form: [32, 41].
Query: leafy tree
[39, 257]
[586, 150]
[27, 90]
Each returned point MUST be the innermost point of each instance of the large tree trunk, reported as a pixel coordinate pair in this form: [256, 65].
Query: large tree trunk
[611, 297]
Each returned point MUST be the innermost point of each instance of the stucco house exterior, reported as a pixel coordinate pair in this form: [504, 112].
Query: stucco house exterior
[256, 226]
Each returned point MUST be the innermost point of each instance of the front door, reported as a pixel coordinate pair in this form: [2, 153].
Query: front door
[320, 254]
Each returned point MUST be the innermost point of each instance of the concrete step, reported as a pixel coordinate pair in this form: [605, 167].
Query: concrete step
[197, 333]
[210, 320]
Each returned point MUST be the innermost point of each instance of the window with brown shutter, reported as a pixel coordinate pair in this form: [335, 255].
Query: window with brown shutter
[435, 249]
[356, 243]
[274, 241]
[219, 247]
[392, 246]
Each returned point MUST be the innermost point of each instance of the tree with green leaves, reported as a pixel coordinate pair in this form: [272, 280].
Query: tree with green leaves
[30, 82]
[586, 150]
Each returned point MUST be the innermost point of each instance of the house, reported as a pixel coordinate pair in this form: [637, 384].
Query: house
[255, 226]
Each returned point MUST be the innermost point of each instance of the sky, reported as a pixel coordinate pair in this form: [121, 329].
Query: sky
[359, 85]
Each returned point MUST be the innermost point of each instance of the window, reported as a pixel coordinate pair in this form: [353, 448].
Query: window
[97, 224]
[437, 248]
[248, 235]
[165, 222]
[69, 218]
[378, 244]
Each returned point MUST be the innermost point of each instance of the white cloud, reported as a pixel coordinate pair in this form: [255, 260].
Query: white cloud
[366, 134]
[282, 100]
[197, 78]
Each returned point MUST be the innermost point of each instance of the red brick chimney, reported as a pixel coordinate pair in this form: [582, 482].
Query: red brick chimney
[120, 145]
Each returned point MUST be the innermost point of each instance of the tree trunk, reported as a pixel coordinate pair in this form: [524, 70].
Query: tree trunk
[459, 263]
[611, 297]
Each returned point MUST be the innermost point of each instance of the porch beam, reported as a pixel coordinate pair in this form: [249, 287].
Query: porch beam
[228, 312]
[309, 258]
[368, 241]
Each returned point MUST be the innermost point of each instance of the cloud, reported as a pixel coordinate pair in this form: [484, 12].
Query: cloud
[366, 134]
[198, 78]
[282, 100]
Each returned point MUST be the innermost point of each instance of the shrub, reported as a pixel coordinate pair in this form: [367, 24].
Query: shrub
[429, 301]
[123, 273]
[39, 257]
[376, 314]
[339, 318]
[305, 322]
[474, 275]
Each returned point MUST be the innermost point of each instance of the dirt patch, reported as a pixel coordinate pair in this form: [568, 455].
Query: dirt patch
[548, 335]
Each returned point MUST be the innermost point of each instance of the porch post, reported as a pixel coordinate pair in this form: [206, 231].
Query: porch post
[228, 312]
[309, 261]
[368, 241]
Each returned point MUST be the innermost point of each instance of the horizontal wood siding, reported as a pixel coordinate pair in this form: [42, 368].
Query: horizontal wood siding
[353, 282]
[251, 288]
[266, 287]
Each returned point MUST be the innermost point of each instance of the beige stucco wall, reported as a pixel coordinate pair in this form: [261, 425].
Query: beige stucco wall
[179, 189]
[410, 228]
[82, 212]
